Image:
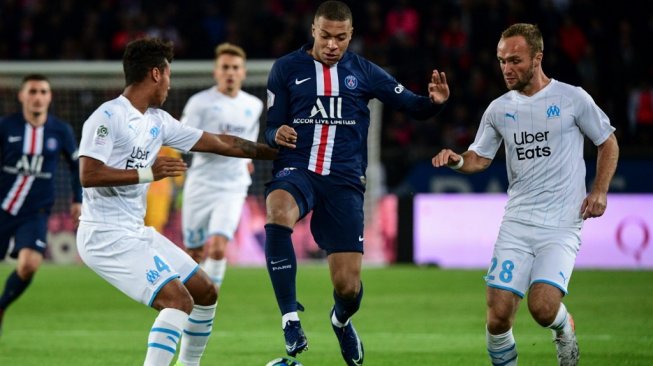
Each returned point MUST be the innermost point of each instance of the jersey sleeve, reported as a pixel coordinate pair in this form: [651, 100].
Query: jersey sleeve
[591, 120]
[278, 100]
[488, 139]
[389, 91]
[71, 155]
[178, 135]
[99, 133]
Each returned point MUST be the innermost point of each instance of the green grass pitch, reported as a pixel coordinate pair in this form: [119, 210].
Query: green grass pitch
[409, 316]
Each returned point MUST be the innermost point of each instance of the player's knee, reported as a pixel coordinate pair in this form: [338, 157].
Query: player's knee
[543, 312]
[347, 289]
[27, 270]
[208, 297]
[499, 320]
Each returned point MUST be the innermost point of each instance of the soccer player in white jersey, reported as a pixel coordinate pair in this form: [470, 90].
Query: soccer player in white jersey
[118, 158]
[216, 186]
[542, 123]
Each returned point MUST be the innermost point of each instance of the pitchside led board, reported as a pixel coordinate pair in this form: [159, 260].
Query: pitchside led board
[459, 230]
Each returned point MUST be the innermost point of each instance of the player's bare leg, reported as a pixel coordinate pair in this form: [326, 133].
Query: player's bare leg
[196, 253]
[175, 304]
[215, 264]
[546, 307]
[345, 271]
[199, 326]
[502, 306]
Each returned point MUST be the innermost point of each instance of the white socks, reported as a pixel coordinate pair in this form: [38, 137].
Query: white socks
[164, 336]
[215, 268]
[502, 348]
[196, 334]
[289, 316]
[561, 324]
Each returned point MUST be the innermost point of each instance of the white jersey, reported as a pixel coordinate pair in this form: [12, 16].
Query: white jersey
[121, 137]
[212, 111]
[543, 137]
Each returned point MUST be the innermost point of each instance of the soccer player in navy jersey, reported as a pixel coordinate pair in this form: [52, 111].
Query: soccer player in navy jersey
[318, 117]
[31, 144]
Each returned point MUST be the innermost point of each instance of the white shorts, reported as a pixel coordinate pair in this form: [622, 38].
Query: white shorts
[137, 262]
[526, 254]
[204, 216]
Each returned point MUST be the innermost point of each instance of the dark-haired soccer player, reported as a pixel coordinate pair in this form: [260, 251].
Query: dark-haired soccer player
[31, 145]
[542, 123]
[318, 116]
[118, 158]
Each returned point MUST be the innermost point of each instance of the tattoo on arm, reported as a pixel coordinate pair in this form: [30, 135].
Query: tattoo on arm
[248, 147]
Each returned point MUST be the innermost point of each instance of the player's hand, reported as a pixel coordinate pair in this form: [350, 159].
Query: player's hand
[438, 87]
[445, 157]
[75, 212]
[286, 136]
[594, 205]
[166, 166]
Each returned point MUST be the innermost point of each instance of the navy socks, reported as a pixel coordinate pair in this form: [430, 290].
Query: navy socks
[282, 265]
[14, 287]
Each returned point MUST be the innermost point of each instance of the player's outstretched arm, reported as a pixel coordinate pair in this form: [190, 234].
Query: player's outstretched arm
[468, 162]
[234, 146]
[94, 173]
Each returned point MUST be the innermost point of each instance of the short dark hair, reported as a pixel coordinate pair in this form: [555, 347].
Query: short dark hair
[34, 77]
[334, 10]
[531, 34]
[142, 55]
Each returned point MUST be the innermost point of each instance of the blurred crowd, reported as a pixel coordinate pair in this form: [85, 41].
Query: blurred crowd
[601, 46]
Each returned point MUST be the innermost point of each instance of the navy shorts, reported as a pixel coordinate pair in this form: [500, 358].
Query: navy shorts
[337, 221]
[28, 231]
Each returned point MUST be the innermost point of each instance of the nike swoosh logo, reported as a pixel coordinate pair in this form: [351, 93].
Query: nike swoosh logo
[360, 238]
[41, 243]
[11, 139]
[297, 81]
[279, 261]
[291, 347]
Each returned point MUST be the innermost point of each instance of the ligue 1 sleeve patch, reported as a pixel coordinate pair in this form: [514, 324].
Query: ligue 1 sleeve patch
[101, 134]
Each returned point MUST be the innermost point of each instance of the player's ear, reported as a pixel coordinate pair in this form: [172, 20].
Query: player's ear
[155, 74]
[538, 59]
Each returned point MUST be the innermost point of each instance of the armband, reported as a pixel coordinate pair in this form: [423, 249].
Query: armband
[459, 164]
[145, 175]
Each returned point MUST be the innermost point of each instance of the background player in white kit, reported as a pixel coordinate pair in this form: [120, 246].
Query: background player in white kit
[118, 157]
[541, 122]
[216, 186]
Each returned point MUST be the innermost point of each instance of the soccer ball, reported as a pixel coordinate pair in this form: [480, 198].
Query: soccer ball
[284, 361]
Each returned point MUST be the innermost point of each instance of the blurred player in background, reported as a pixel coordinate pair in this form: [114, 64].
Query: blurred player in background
[118, 158]
[318, 116]
[161, 195]
[542, 123]
[31, 145]
[216, 186]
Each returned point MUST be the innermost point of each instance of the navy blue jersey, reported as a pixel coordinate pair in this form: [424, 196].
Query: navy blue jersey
[327, 106]
[30, 157]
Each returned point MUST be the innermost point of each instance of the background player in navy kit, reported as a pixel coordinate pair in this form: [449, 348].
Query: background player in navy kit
[318, 116]
[541, 122]
[31, 143]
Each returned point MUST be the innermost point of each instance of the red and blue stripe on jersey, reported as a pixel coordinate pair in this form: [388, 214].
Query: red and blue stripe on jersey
[29, 157]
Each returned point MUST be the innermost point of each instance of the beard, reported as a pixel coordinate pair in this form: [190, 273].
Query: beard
[523, 81]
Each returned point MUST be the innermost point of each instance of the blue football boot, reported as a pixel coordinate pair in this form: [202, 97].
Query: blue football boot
[350, 344]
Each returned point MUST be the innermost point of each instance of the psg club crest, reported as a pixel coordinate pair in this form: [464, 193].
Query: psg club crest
[51, 144]
[351, 82]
